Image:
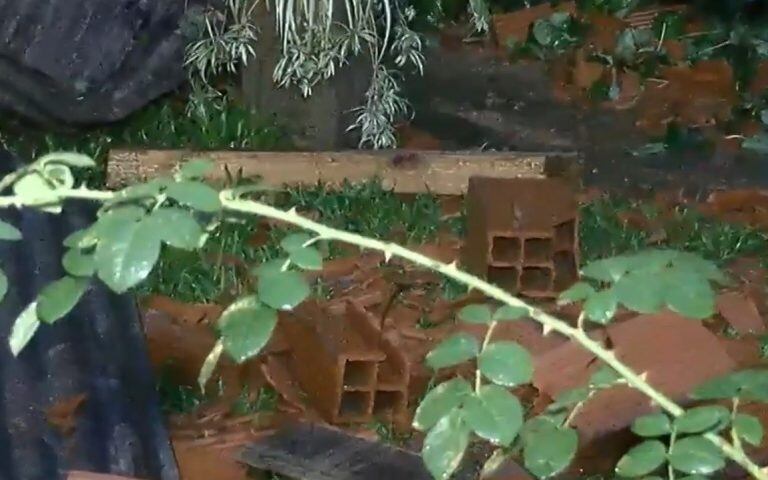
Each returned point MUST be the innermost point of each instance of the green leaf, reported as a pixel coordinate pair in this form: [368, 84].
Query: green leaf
[80, 239]
[209, 365]
[60, 176]
[689, 294]
[749, 385]
[445, 445]
[126, 254]
[640, 291]
[24, 329]
[294, 241]
[494, 462]
[642, 459]
[269, 267]
[71, 159]
[440, 401]
[476, 314]
[59, 298]
[3, 285]
[195, 195]
[283, 290]
[78, 264]
[506, 363]
[569, 398]
[34, 190]
[608, 269]
[748, 428]
[700, 419]
[176, 227]
[548, 449]
[604, 377]
[601, 307]
[307, 258]
[246, 326]
[196, 168]
[508, 313]
[452, 351]
[757, 143]
[9, 232]
[696, 455]
[494, 414]
[693, 263]
[578, 292]
[653, 425]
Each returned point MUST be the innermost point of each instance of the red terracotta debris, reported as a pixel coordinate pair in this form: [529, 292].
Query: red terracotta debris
[279, 377]
[677, 354]
[517, 241]
[202, 463]
[745, 351]
[585, 72]
[183, 312]
[508, 470]
[62, 415]
[741, 313]
[746, 207]
[563, 368]
[604, 31]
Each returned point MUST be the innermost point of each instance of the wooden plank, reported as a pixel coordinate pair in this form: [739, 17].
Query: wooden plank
[442, 173]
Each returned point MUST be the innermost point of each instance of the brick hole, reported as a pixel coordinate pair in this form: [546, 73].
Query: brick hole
[566, 272]
[354, 405]
[386, 403]
[359, 374]
[536, 279]
[506, 250]
[565, 235]
[537, 250]
[506, 278]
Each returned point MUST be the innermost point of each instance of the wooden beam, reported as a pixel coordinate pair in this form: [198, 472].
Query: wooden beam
[443, 173]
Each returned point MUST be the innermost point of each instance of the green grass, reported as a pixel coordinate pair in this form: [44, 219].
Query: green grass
[163, 124]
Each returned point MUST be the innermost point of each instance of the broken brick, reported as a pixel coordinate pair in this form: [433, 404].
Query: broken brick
[741, 313]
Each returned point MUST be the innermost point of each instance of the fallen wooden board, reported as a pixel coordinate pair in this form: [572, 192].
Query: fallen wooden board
[312, 452]
[441, 173]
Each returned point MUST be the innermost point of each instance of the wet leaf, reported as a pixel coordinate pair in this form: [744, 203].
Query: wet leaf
[608, 269]
[548, 449]
[569, 398]
[59, 298]
[71, 159]
[60, 176]
[83, 238]
[245, 327]
[78, 264]
[445, 445]
[653, 425]
[640, 291]
[696, 455]
[695, 264]
[578, 292]
[269, 267]
[126, 253]
[508, 313]
[196, 168]
[748, 428]
[294, 241]
[453, 350]
[176, 227]
[494, 414]
[209, 365]
[642, 459]
[601, 307]
[9, 232]
[283, 290]
[440, 401]
[24, 329]
[196, 195]
[307, 258]
[476, 314]
[506, 363]
[700, 419]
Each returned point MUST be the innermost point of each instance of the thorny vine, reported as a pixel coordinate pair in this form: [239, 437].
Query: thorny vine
[46, 184]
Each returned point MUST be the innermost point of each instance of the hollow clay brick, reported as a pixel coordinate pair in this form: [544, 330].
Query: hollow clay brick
[522, 234]
[350, 370]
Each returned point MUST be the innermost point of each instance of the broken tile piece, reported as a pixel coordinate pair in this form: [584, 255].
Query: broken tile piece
[741, 313]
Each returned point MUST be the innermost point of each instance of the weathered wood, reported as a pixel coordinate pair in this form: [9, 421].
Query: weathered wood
[443, 173]
[312, 452]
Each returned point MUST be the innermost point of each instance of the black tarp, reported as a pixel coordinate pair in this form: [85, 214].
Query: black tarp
[97, 350]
